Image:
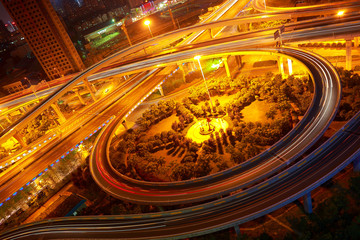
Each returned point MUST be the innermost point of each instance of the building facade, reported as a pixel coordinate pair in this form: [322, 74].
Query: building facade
[46, 35]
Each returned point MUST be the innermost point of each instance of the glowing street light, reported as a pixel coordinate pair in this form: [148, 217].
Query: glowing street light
[147, 23]
[340, 13]
[198, 59]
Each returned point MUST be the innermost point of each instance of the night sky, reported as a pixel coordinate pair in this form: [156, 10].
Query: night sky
[4, 15]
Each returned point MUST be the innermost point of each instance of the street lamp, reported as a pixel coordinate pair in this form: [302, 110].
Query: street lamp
[57, 72]
[147, 23]
[31, 87]
[340, 13]
[265, 4]
[198, 59]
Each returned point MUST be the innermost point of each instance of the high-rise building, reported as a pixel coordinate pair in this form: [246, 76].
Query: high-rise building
[4, 32]
[43, 30]
[135, 3]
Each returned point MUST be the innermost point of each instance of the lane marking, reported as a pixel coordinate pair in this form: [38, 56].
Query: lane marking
[283, 175]
[301, 164]
[263, 185]
[219, 202]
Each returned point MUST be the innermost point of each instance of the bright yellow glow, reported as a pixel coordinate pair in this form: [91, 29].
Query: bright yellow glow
[340, 13]
[147, 22]
[194, 131]
[197, 57]
[290, 67]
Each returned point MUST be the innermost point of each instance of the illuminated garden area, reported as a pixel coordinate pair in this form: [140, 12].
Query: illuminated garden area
[176, 140]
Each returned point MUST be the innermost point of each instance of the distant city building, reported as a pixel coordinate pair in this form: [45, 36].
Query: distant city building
[11, 26]
[43, 30]
[4, 32]
[135, 3]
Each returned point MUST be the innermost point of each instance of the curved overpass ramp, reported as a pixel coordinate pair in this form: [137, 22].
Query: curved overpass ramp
[263, 198]
[323, 109]
[286, 187]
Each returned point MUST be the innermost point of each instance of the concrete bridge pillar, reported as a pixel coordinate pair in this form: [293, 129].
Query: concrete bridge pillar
[19, 138]
[238, 61]
[61, 116]
[356, 42]
[237, 231]
[290, 66]
[226, 65]
[308, 203]
[23, 109]
[125, 124]
[90, 89]
[181, 67]
[161, 90]
[356, 163]
[211, 33]
[293, 19]
[281, 66]
[8, 118]
[79, 96]
[348, 54]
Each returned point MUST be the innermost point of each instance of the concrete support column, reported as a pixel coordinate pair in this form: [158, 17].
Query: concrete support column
[181, 67]
[226, 65]
[308, 203]
[290, 66]
[19, 138]
[238, 61]
[211, 33]
[118, 80]
[281, 66]
[356, 42]
[239, 28]
[172, 18]
[61, 116]
[7, 117]
[125, 124]
[79, 96]
[192, 66]
[356, 163]
[161, 90]
[23, 109]
[348, 55]
[90, 89]
[237, 231]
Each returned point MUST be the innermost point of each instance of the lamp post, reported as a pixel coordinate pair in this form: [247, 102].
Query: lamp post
[198, 59]
[265, 4]
[32, 88]
[123, 27]
[57, 72]
[147, 23]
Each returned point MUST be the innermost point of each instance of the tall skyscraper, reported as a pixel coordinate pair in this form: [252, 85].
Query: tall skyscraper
[4, 32]
[43, 30]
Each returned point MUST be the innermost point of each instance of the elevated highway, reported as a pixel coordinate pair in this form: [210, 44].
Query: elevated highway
[323, 108]
[279, 190]
[175, 224]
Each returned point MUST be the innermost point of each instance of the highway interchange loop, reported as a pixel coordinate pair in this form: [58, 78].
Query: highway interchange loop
[262, 198]
[270, 194]
[325, 102]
